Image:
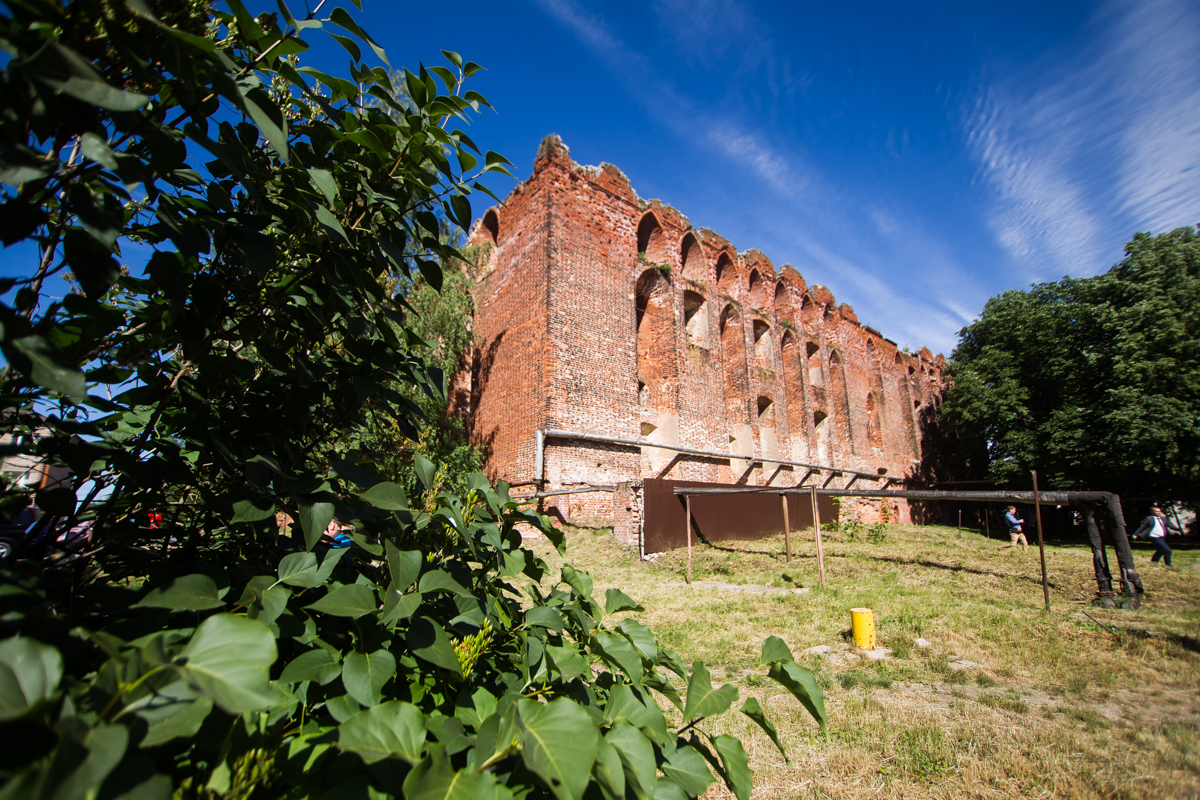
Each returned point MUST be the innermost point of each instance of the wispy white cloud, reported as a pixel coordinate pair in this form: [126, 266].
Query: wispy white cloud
[662, 100]
[1087, 151]
[901, 279]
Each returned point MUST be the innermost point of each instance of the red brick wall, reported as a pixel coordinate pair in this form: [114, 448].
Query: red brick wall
[577, 254]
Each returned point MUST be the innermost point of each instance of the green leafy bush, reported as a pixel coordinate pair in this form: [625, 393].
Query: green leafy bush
[207, 655]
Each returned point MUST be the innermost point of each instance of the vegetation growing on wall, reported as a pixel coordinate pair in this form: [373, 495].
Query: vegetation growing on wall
[206, 655]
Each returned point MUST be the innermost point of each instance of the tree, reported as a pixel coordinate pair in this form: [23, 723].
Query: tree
[1095, 382]
[211, 380]
[441, 318]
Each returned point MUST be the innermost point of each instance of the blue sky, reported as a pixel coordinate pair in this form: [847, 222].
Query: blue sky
[916, 161]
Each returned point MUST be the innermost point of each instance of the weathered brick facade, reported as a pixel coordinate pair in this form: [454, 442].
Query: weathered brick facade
[602, 313]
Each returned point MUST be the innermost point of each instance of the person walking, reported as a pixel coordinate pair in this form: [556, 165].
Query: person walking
[1015, 532]
[1154, 527]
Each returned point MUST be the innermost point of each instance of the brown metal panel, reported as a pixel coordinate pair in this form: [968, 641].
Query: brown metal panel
[720, 518]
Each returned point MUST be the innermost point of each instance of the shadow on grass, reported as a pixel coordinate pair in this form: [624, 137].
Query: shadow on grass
[891, 559]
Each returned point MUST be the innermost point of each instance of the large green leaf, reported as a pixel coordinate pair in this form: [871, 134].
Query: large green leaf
[702, 699]
[752, 710]
[29, 674]
[439, 580]
[229, 659]
[544, 617]
[775, 649]
[558, 743]
[637, 754]
[171, 712]
[269, 118]
[435, 779]
[315, 516]
[633, 705]
[390, 730]
[101, 94]
[803, 684]
[364, 675]
[428, 641]
[618, 652]
[686, 767]
[387, 496]
[737, 766]
[569, 662]
[641, 637]
[76, 768]
[301, 569]
[353, 600]
[48, 366]
[189, 593]
[403, 565]
[615, 600]
[319, 665]
[609, 771]
[398, 606]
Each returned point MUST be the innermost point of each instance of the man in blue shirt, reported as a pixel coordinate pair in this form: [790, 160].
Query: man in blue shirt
[1015, 534]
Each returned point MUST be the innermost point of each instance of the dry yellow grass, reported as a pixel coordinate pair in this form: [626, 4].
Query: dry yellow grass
[1060, 708]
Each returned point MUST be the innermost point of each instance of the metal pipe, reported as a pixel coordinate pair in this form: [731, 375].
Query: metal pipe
[1019, 496]
[1131, 583]
[539, 458]
[557, 492]
[1037, 505]
[551, 433]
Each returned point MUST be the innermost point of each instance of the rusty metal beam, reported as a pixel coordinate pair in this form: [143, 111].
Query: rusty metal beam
[596, 437]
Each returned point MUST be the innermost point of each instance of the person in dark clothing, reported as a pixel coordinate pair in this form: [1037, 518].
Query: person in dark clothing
[1154, 527]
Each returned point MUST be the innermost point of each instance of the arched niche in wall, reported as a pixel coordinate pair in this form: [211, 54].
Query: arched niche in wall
[783, 303]
[762, 346]
[691, 258]
[840, 400]
[793, 384]
[651, 243]
[736, 386]
[757, 291]
[874, 428]
[491, 225]
[810, 313]
[821, 432]
[656, 362]
[906, 400]
[816, 375]
[657, 366]
[695, 319]
[768, 435]
[726, 275]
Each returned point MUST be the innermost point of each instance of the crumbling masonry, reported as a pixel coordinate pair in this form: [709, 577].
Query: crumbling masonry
[601, 313]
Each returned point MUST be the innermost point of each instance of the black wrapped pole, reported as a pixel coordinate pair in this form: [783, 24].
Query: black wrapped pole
[1104, 589]
[1131, 583]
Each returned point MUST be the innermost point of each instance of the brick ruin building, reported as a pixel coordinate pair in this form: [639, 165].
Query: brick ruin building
[603, 314]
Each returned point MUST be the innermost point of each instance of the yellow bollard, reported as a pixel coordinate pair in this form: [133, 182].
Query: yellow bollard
[862, 625]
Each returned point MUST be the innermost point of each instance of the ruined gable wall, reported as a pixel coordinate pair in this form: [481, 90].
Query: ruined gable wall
[733, 355]
[505, 381]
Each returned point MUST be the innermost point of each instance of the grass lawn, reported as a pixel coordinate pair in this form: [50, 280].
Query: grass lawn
[1055, 706]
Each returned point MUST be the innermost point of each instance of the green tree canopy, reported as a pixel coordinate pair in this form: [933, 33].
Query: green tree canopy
[1094, 382]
